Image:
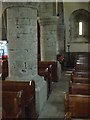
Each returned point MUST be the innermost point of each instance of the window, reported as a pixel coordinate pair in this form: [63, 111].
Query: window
[80, 28]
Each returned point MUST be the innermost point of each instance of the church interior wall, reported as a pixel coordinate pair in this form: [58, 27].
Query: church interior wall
[69, 8]
[24, 49]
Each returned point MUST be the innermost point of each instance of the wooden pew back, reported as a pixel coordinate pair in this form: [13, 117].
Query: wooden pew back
[77, 101]
[80, 74]
[82, 67]
[77, 105]
[29, 94]
[79, 88]
[45, 64]
[82, 63]
[48, 78]
[82, 56]
[12, 104]
[81, 80]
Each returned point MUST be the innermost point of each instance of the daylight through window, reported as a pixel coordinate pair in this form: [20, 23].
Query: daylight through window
[80, 28]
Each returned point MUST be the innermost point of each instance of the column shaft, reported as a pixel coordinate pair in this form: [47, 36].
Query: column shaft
[48, 38]
[22, 42]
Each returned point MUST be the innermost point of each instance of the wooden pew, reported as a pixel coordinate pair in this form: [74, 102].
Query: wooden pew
[80, 79]
[77, 101]
[48, 78]
[81, 72]
[82, 63]
[45, 64]
[79, 88]
[48, 69]
[81, 66]
[83, 60]
[82, 56]
[85, 74]
[12, 104]
[78, 106]
[29, 95]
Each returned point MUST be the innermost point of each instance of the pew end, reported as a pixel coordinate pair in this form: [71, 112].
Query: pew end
[12, 104]
[77, 105]
[29, 95]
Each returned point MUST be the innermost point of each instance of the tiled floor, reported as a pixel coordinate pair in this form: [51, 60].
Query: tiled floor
[54, 108]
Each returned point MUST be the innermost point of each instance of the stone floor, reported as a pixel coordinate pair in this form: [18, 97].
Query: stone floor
[54, 108]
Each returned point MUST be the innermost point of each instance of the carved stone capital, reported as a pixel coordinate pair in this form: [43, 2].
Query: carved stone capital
[48, 20]
[33, 5]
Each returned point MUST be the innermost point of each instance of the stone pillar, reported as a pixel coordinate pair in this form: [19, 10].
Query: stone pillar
[22, 47]
[22, 42]
[48, 38]
[61, 42]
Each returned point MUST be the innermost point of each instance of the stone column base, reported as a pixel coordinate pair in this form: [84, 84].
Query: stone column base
[41, 92]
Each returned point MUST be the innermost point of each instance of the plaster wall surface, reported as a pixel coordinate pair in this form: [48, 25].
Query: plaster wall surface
[70, 7]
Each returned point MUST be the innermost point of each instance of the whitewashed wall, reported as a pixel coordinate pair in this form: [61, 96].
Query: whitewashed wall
[70, 7]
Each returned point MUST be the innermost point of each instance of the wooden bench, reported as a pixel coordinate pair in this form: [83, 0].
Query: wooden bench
[45, 64]
[80, 80]
[80, 74]
[82, 67]
[12, 104]
[79, 88]
[77, 106]
[48, 78]
[82, 63]
[82, 56]
[80, 77]
[81, 71]
[29, 95]
[77, 101]
[82, 60]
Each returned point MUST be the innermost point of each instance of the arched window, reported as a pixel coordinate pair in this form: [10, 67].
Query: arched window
[80, 28]
[79, 22]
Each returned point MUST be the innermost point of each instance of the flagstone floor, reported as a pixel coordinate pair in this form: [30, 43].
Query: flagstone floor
[54, 107]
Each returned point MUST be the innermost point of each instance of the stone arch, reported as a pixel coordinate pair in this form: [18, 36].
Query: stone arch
[77, 16]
